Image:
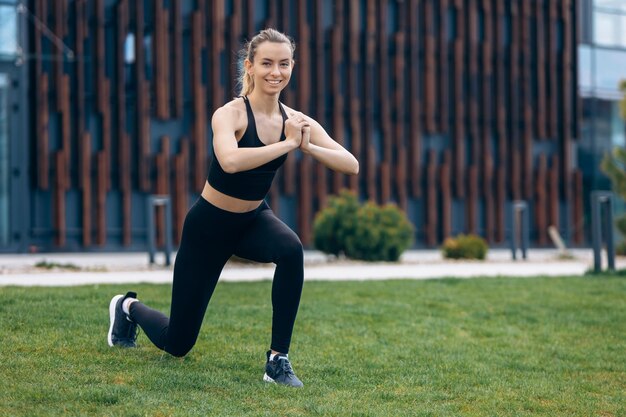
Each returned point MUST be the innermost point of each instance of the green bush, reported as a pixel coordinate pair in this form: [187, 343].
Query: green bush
[333, 224]
[366, 232]
[464, 247]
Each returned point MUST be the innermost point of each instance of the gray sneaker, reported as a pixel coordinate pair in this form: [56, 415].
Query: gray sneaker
[122, 331]
[279, 371]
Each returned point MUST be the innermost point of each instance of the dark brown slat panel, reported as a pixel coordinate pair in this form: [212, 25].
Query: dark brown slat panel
[369, 87]
[199, 104]
[577, 208]
[500, 200]
[85, 173]
[459, 109]
[215, 88]
[106, 133]
[415, 161]
[486, 70]
[177, 56]
[60, 29]
[400, 140]
[289, 169]
[432, 215]
[58, 196]
[527, 132]
[553, 75]
[515, 168]
[101, 186]
[100, 64]
[472, 80]
[540, 69]
[566, 101]
[489, 198]
[446, 194]
[80, 24]
[143, 103]
[161, 48]
[180, 203]
[443, 72]
[43, 118]
[382, 60]
[124, 157]
[430, 83]
[553, 192]
[353, 88]
[471, 203]
[235, 28]
[320, 90]
[541, 201]
[303, 102]
[66, 133]
[162, 186]
[336, 83]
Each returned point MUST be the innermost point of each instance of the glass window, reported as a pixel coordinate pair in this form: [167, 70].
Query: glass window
[616, 5]
[584, 67]
[8, 30]
[610, 68]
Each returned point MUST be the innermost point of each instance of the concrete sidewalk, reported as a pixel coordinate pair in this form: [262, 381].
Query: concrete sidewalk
[112, 268]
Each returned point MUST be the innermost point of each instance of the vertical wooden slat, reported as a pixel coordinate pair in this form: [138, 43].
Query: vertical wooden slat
[566, 100]
[161, 51]
[382, 61]
[199, 104]
[177, 58]
[59, 204]
[553, 75]
[577, 208]
[124, 156]
[540, 114]
[541, 201]
[459, 108]
[432, 215]
[142, 102]
[354, 46]
[515, 171]
[235, 29]
[180, 205]
[162, 186]
[60, 28]
[86, 195]
[337, 84]
[400, 145]
[371, 160]
[446, 195]
[471, 204]
[80, 24]
[442, 71]
[415, 127]
[101, 187]
[553, 192]
[487, 73]
[527, 132]
[500, 203]
[43, 117]
[215, 88]
[319, 93]
[430, 84]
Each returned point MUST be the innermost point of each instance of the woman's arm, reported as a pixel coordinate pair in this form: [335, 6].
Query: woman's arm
[323, 148]
[235, 159]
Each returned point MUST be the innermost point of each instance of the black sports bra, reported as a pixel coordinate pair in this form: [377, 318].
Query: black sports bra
[255, 183]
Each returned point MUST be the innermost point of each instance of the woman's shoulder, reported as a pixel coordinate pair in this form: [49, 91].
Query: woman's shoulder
[233, 111]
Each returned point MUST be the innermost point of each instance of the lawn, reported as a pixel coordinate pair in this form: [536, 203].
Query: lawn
[478, 347]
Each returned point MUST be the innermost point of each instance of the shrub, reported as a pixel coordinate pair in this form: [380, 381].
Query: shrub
[333, 224]
[464, 247]
[366, 232]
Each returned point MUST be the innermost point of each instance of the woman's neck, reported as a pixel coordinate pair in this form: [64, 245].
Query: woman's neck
[263, 103]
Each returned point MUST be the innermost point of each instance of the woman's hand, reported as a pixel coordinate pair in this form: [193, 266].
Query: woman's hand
[306, 138]
[294, 126]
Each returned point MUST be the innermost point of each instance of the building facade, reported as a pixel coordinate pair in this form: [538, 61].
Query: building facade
[455, 109]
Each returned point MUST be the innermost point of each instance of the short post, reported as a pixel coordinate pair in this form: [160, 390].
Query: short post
[154, 201]
[519, 228]
[602, 201]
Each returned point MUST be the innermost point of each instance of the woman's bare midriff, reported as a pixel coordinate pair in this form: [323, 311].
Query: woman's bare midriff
[226, 202]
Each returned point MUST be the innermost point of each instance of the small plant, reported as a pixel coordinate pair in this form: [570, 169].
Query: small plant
[366, 232]
[55, 265]
[465, 247]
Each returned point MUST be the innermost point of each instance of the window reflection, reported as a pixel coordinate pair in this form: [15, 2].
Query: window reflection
[610, 68]
[617, 5]
[8, 30]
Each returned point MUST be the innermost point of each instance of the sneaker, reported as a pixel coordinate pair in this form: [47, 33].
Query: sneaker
[279, 371]
[123, 331]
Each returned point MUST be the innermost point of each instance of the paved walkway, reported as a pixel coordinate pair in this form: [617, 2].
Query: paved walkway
[109, 268]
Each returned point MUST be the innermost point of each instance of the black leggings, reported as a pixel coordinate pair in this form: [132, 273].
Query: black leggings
[210, 237]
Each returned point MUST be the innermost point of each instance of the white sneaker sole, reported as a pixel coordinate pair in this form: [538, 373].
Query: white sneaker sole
[112, 306]
[267, 378]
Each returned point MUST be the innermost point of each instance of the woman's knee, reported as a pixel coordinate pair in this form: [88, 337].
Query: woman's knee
[180, 349]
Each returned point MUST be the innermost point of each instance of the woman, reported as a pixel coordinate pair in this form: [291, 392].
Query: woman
[252, 136]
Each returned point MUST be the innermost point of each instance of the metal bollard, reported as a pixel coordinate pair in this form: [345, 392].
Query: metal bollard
[154, 201]
[519, 228]
[602, 201]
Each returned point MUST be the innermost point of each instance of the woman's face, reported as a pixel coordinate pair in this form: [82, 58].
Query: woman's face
[272, 66]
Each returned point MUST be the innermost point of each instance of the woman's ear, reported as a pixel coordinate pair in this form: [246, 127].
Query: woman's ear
[248, 66]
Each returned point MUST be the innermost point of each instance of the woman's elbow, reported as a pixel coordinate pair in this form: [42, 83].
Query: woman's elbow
[354, 168]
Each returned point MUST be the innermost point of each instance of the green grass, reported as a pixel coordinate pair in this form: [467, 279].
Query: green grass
[479, 347]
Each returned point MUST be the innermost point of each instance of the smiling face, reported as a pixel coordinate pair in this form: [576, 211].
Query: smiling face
[271, 67]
